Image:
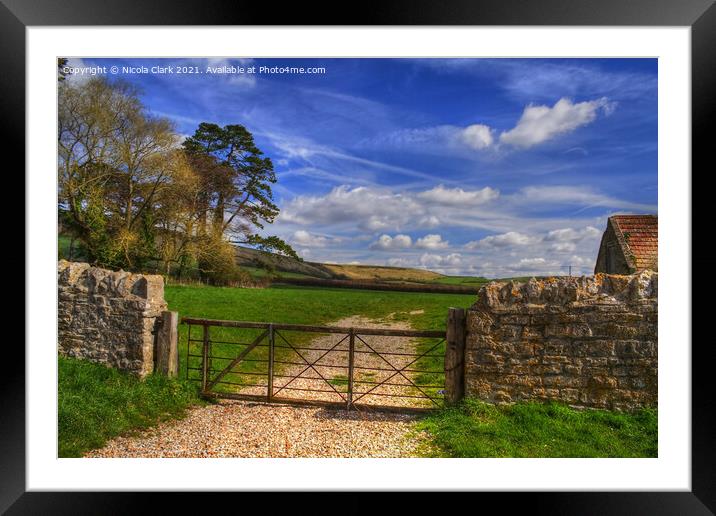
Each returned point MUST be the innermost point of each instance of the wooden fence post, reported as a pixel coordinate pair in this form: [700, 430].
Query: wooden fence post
[272, 342]
[205, 361]
[167, 353]
[455, 356]
[351, 366]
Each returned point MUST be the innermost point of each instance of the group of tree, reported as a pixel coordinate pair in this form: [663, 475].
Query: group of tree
[137, 196]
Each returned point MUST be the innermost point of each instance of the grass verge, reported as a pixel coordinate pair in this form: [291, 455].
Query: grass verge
[97, 403]
[478, 429]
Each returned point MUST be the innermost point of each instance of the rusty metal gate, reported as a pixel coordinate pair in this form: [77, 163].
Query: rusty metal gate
[354, 368]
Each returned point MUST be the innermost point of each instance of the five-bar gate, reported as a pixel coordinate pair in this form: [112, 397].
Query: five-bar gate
[320, 365]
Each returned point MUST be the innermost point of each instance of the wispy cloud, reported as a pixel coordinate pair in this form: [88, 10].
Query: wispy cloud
[539, 124]
[305, 239]
[540, 80]
[581, 196]
[453, 196]
[509, 239]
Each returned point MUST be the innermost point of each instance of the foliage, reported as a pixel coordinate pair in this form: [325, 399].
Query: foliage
[478, 429]
[132, 196]
[61, 63]
[236, 184]
[69, 249]
[218, 263]
[113, 160]
[272, 243]
[97, 403]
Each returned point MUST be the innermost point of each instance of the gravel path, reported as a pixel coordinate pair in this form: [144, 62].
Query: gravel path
[250, 429]
[330, 363]
[232, 428]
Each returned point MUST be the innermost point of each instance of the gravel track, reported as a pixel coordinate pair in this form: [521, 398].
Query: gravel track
[370, 368]
[234, 428]
[249, 429]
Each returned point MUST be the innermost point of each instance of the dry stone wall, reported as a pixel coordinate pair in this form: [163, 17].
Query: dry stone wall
[589, 341]
[109, 317]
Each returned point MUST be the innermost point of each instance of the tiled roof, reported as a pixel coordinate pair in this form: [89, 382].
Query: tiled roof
[641, 235]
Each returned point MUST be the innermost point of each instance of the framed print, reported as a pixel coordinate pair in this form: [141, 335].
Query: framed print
[416, 250]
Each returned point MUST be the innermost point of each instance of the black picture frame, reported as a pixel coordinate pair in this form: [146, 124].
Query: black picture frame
[700, 15]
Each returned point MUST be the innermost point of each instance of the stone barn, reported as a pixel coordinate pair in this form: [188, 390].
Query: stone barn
[629, 245]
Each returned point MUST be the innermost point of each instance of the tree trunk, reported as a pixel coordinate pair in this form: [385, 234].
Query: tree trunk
[219, 216]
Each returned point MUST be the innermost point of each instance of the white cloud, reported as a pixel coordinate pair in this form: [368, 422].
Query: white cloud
[386, 242]
[560, 241]
[563, 247]
[304, 238]
[581, 260]
[477, 136]
[572, 235]
[401, 262]
[541, 123]
[431, 242]
[379, 209]
[566, 240]
[511, 238]
[369, 208]
[430, 221]
[538, 251]
[518, 235]
[371, 211]
[532, 262]
[452, 196]
[435, 260]
[375, 223]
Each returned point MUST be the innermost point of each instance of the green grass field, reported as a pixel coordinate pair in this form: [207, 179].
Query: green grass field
[295, 305]
[308, 305]
[469, 281]
[478, 429]
[97, 403]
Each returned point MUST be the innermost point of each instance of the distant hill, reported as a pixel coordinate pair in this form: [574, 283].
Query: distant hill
[252, 258]
[380, 273]
[275, 262]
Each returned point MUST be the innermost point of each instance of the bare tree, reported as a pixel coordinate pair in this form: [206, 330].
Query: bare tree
[112, 163]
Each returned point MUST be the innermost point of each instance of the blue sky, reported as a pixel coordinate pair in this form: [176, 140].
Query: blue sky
[493, 167]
